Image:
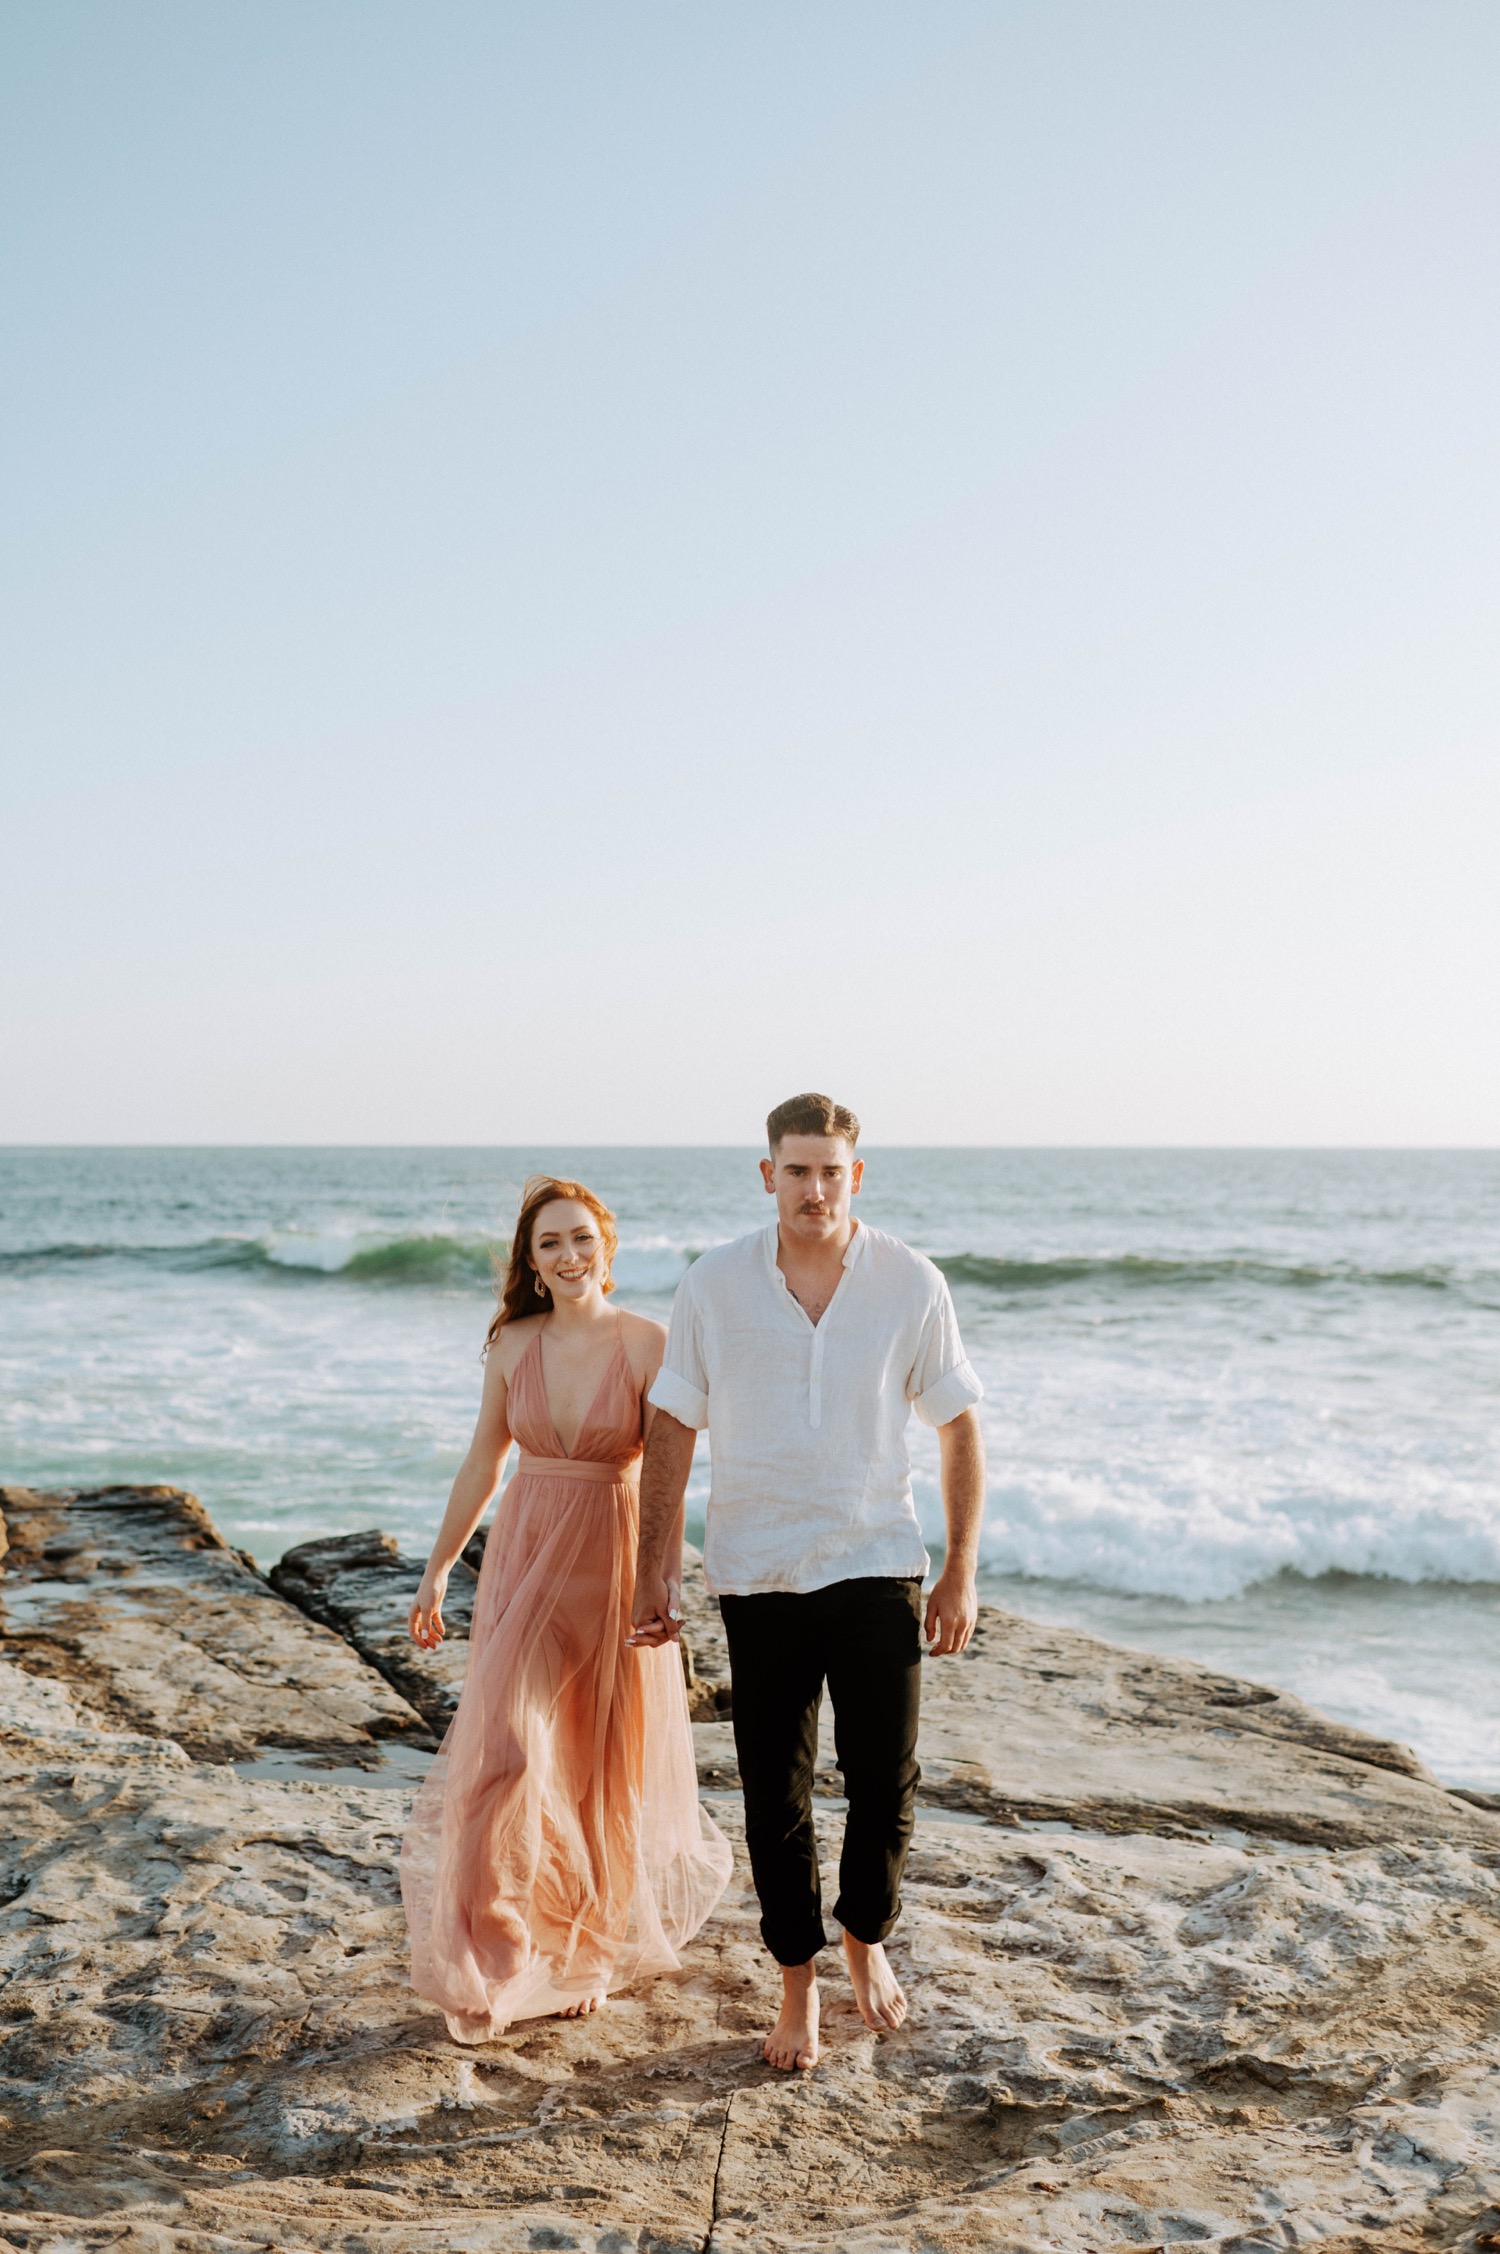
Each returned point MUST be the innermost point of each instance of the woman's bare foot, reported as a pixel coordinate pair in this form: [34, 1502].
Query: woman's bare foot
[583, 2006]
[877, 1991]
[793, 2042]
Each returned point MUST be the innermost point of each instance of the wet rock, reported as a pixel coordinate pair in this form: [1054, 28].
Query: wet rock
[363, 1586]
[131, 1597]
[1127, 2030]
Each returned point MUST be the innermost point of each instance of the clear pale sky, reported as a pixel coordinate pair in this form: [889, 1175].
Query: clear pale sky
[570, 570]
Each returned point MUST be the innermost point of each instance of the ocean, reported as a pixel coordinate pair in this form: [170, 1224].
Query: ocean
[1240, 1405]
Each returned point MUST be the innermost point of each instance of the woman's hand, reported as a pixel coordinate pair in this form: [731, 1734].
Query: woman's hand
[656, 1616]
[426, 1619]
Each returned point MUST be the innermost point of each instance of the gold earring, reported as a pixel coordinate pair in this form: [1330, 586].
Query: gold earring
[541, 1288]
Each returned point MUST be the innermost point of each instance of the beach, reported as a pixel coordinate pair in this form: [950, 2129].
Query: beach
[1240, 1405]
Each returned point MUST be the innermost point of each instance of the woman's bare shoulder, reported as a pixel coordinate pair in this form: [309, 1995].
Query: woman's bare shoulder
[512, 1342]
[644, 1340]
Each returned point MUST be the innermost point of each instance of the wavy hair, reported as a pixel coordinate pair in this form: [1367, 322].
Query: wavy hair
[517, 1287]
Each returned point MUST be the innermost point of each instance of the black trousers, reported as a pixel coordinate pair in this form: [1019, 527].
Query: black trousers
[864, 1638]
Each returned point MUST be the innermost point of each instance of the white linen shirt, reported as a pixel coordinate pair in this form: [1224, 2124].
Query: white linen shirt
[811, 1481]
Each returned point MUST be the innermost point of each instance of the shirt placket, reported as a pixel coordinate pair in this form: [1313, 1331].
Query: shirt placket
[817, 1332]
[836, 1306]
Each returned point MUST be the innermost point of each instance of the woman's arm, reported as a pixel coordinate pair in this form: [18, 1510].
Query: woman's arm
[478, 1477]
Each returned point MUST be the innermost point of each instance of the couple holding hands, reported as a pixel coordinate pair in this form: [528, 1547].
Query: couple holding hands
[557, 1849]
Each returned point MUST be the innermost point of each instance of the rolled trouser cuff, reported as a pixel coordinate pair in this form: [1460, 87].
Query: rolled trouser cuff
[791, 1945]
[865, 1927]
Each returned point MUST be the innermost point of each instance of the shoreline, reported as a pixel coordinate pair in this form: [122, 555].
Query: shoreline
[1196, 1374]
[1409, 1659]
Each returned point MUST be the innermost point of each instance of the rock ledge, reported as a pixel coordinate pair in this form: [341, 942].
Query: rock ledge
[1188, 1962]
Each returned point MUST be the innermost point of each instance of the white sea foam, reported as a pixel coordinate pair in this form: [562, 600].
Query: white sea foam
[1205, 1546]
[652, 1266]
[327, 1254]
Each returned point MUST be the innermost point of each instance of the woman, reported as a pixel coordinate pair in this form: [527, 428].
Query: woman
[556, 1850]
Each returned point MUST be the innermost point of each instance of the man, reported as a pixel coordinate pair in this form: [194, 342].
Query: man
[802, 1348]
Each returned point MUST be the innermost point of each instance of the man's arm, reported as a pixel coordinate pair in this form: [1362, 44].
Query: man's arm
[953, 1606]
[656, 1616]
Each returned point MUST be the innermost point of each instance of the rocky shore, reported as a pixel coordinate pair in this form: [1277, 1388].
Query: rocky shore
[1189, 1961]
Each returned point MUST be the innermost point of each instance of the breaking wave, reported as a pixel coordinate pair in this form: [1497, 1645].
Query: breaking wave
[1206, 1539]
[433, 1259]
[990, 1273]
[658, 1265]
[361, 1259]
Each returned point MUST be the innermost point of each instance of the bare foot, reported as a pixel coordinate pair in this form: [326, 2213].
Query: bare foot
[793, 2042]
[877, 1991]
[582, 2008]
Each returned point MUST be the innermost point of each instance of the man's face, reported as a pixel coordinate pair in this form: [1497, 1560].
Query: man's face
[812, 1178]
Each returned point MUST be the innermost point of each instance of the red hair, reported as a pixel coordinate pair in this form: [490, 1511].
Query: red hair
[518, 1289]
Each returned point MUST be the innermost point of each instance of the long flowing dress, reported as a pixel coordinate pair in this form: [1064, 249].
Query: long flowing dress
[557, 1847]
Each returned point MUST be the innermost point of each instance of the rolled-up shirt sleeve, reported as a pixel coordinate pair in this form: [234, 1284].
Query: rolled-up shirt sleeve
[681, 1385]
[942, 1384]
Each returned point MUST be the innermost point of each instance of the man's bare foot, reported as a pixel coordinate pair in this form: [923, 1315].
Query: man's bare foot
[793, 2042]
[583, 2006]
[877, 1991]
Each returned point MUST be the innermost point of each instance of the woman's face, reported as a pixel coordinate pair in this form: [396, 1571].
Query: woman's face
[567, 1249]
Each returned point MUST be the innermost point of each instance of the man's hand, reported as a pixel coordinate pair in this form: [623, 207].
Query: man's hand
[952, 1611]
[656, 1615]
[953, 1607]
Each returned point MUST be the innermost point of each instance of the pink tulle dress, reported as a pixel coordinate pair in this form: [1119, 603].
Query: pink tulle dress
[557, 1848]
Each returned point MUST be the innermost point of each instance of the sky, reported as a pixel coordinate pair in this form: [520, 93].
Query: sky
[570, 570]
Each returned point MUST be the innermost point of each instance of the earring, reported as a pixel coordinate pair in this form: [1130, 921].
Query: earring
[541, 1288]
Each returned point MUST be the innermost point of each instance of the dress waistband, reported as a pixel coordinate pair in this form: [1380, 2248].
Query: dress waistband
[568, 1467]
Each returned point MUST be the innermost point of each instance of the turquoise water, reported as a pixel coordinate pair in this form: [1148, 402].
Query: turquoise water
[1241, 1405]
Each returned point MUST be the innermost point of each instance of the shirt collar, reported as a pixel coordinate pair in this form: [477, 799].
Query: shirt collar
[852, 1250]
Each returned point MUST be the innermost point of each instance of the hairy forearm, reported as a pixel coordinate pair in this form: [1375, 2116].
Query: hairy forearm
[962, 1453]
[664, 1478]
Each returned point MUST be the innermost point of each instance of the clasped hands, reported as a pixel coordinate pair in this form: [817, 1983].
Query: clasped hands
[656, 1615]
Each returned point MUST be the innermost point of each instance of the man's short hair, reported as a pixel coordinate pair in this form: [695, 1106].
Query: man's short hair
[811, 1115]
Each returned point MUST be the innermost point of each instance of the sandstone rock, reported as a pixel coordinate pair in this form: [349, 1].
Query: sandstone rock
[132, 1597]
[1055, 1725]
[1138, 2025]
